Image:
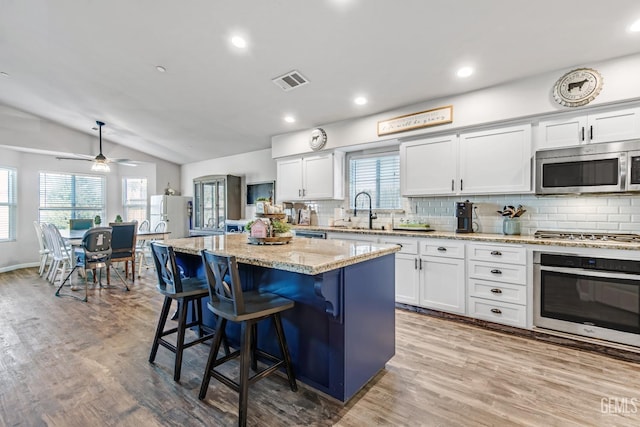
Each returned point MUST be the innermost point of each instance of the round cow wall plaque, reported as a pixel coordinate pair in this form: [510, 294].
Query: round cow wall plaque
[317, 139]
[577, 87]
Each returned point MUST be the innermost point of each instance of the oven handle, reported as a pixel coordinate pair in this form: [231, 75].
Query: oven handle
[591, 273]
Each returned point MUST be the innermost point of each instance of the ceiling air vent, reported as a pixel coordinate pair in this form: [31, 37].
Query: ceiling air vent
[291, 80]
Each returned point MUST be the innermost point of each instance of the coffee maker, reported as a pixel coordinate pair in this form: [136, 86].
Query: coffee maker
[464, 217]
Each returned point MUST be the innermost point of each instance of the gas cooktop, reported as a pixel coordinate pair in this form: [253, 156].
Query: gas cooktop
[587, 235]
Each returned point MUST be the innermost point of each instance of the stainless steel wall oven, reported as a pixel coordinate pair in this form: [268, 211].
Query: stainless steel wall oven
[588, 296]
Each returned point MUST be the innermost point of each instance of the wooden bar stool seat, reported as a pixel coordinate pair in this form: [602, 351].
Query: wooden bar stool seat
[229, 303]
[188, 292]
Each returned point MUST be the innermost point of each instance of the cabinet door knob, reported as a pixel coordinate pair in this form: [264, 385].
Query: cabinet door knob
[496, 271]
[591, 132]
[452, 184]
[582, 131]
[496, 253]
[415, 263]
[299, 193]
[496, 311]
[420, 263]
[442, 249]
[496, 291]
[460, 185]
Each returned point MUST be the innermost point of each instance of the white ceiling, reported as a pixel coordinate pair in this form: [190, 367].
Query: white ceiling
[77, 61]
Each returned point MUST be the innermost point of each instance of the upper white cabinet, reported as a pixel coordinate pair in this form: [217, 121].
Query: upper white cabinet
[496, 161]
[311, 178]
[606, 126]
[490, 161]
[429, 166]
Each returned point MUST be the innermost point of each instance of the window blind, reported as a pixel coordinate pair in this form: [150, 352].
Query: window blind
[8, 204]
[134, 195]
[378, 175]
[67, 196]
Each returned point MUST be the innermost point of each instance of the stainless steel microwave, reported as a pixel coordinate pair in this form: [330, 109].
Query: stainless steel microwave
[611, 167]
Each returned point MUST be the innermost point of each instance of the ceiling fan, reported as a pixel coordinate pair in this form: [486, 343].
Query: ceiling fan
[100, 162]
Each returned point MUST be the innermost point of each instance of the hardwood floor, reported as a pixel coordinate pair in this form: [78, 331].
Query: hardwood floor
[68, 363]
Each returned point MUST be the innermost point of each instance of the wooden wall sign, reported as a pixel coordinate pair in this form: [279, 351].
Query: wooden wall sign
[436, 116]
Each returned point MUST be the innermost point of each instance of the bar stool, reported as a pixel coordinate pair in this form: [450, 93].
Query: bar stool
[184, 291]
[229, 303]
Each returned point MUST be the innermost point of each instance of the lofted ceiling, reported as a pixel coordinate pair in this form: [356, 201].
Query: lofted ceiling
[78, 61]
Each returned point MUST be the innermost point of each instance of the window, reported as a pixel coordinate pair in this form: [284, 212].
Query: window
[134, 199]
[8, 204]
[378, 175]
[66, 196]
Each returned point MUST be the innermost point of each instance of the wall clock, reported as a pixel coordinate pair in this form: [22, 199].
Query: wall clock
[317, 139]
[577, 87]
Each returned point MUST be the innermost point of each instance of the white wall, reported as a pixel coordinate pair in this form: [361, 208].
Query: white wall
[252, 167]
[519, 99]
[18, 129]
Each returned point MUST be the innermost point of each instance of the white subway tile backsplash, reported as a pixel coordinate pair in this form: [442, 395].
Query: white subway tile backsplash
[611, 213]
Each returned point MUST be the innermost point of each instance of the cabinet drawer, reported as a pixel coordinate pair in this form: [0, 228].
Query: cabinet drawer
[442, 248]
[498, 253]
[500, 272]
[407, 246]
[496, 291]
[499, 312]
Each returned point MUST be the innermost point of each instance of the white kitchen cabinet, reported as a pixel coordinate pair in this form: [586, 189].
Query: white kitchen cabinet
[429, 166]
[604, 126]
[407, 273]
[442, 276]
[311, 178]
[491, 161]
[496, 161]
[497, 283]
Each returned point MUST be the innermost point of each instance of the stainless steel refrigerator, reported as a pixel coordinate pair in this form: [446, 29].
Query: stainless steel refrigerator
[175, 211]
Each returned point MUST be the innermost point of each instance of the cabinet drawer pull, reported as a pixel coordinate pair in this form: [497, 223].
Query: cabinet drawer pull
[496, 291]
[452, 184]
[496, 271]
[442, 249]
[496, 253]
[591, 132]
[496, 311]
[460, 185]
[420, 263]
[582, 133]
[415, 263]
[299, 193]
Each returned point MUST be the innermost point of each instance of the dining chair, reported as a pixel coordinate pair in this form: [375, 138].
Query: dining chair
[94, 253]
[43, 251]
[142, 247]
[123, 245]
[160, 227]
[61, 260]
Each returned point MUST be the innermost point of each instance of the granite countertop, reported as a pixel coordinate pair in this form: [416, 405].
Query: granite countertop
[481, 237]
[300, 255]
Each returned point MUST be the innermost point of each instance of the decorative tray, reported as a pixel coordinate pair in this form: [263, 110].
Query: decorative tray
[413, 228]
[274, 216]
[269, 240]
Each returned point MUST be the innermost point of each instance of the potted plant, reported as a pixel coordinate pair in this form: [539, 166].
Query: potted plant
[280, 229]
[118, 218]
[97, 220]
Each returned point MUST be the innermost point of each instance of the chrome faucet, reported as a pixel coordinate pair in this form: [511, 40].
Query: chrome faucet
[372, 216]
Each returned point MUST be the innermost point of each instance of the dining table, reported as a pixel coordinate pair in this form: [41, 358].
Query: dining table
[74, 237]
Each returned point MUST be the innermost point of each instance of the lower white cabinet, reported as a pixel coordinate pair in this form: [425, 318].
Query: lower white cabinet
[497, 283]
[442, 284]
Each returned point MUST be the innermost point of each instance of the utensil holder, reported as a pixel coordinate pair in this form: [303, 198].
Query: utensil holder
[511, 226]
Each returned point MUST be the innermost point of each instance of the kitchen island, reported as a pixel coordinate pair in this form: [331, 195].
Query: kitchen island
[341, 331]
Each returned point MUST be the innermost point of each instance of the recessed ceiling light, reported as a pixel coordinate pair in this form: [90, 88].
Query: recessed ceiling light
[3, 74]
[635, 27]
[239, 42]
[160, 68]
[289, 119]
[360, 100]
[464, 72]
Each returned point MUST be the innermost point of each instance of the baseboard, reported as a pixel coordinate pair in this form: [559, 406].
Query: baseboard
[19, 266]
